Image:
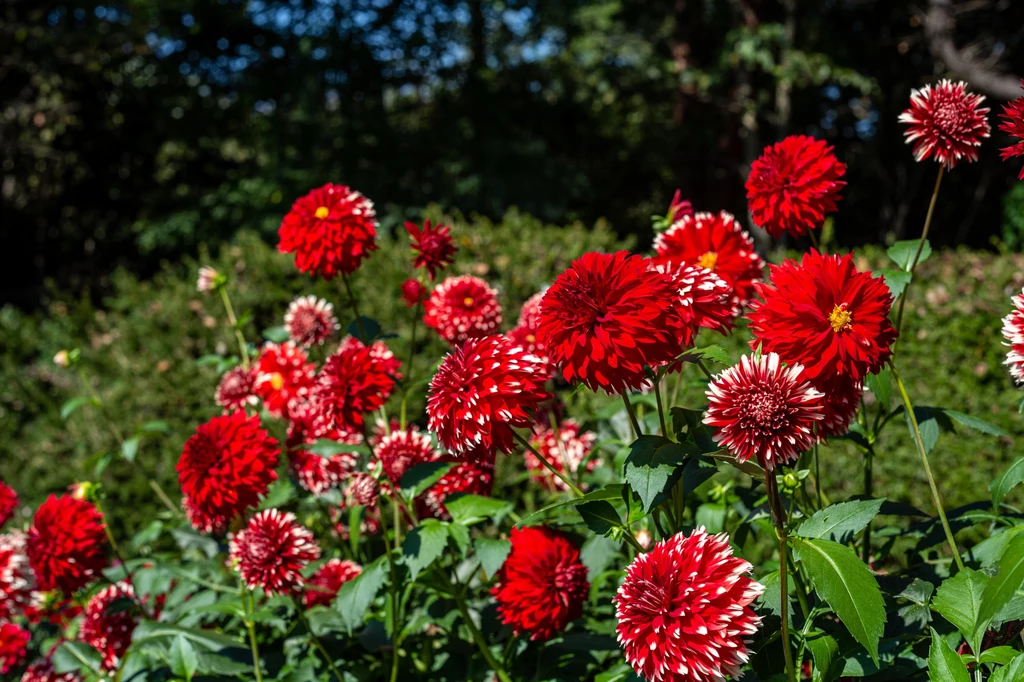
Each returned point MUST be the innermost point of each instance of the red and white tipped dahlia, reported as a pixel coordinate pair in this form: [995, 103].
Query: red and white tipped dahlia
[8, 503]
[684, 609]
[838, 408]
[272, 550]
[703, 299]
[237, 390]
[462, 308]
[361, 490]
[381, 429]
[323, 586]
[764, 410]
[793, 184]
[379, 353]
[109, 630]
[331, 231]
[225, 468]
[717, 242]
[13, 646]
[16, 580]
[284, 377]
[604, 319]
[826, 315]
[1013, 332]
[42, 670]
[320, 474]
[1013, 124]
[945, 122]
[353, 382]
[66, 544]
[401, 450]
[568, 446]
[433, 245]
[481, 391]
[310, 320]
[475, 478]
[542, 585]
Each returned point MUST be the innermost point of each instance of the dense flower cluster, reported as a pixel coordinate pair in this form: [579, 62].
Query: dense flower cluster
[946, 122]
[475, 478]
[703, 300]
[66, 544]
[331, 231]
[42, 670]
[318, 474]
[271, 551]
[462, 308]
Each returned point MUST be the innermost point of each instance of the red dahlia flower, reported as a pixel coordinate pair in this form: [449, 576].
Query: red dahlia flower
[331, 230]
[702, 300]
[433, 245]
[1013, 124]
[379, 352]
[827, 316]
[475, 478]
[322, 588]
[542, 585]
[945, 122]
[8, 503]
[403, 449]
[525, 331]
[271, 552]
[717, 242]
[237, 390]
[353, 381]
[66, 544]
[225, 468]
[1013, 332]
[838, 408]
[462, 308]
[793, 184]
[13, 646]
[481, 391]
[310, 320]
[320, 474]
[284, 377]
[306, 427]
[106, 629]
[764, 410]
[568, 448]
[16, 580]
[413, 293]
[604, 319]
[361, 490]
[684, 609]
[42, 670]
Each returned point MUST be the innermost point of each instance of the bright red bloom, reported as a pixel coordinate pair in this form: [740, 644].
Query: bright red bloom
[381, 429]
[66, 544]
[16, 580]
[322, 588]
[433, 245]
[13, 646]
[1013, 124]
[827, 316]
[401, 450]
[475, 478]
[284, 377]
[462, 308]
[793, 184]
[109, 630]
[568, 447]
[319, 474]
[1013, 332]
[272, 550]
[764, 410]
[703, 299]
[482, 390]
[717, 242]
[237, 390]
[330, 231]
[8, 503]
[379, 353]
[225, 468]
[945, 122]
[413, 293]
[838, 408]
[542, 585]
[684, 609]
[310, 320]
[42, 670]
[604, 319]
[353, 381]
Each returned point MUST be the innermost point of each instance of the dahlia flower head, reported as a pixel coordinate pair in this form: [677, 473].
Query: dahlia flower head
[569, 447]
[1013, 125]
[317, 474]
[361, 490]
[717, 242]
[355, 380]
[604, 320]
[109, 630]
[310, 321]
[323, 586]
[16, 579]
[402, 449]
[1013, 332]
[463, 308]
[474, 478]
[945, 122]
[209, 280]
[838, 409]
[793, 184]
[284, 377]
[542, 585]
[305, 427]
[42, 670]
[8, 503]
[761, 409]
[226, 467]
[66, 544]
[413, 293]
[703, 300]
[525, 331]
[481, 391]
[237, 389]
[331, 231]
[381, 355]
[271, 551]
[433, 245]
[826, 315]
[14, 641]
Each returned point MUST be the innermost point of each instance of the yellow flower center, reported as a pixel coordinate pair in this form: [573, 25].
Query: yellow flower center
[322, 212]
[840, 318]
[277, 381]
[468, 302]
[709, 260]
[530, 338]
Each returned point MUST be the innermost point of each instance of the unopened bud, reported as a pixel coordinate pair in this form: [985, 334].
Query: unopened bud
[209, 280]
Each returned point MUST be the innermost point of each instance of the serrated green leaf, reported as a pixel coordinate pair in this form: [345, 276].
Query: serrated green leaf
[460, 535]
[943, 663]
[419, 478]
[840, 522]
[771, 599]
[184, 661]
[896, 280]
[469, 509]
[209, 663]
[974, 423]
[280, 493]
[600, 516]
[712, 353]
[880, 386]
[423, 545]
[958, 600]
[650, 463]
[902, 253]
[1004, 585]
[1001, 655]
[355, 596]
[492, 554]
[1012, 672]
[1009, 480]
[366, 329]
[842, 580]
[73, 656]
[597, 554]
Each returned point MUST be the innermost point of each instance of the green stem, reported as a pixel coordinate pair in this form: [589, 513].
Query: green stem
[355, 309]
[543, 460]
[814, 240]
[927, 467]
[395, 614]
[817, 475]
[661, 409]
[233, 321]
[704, 368]
[920, 245]
[251, 629]
[478, 637]
[316, 641]
[775, 504]
[869, 460]
[632, 416]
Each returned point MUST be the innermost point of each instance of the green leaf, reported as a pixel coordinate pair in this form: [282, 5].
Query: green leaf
[1010, 479]
[151, 631]
[771, 599]
[840, 522]
[213, 664]
[184, 661]
[902, 253]
[72, 657]
[155, 426]
[366, 329]
[469, 509]
[355, 596]
[612, 491]
[880, 386]
[280, 493]
[943, 663]
[711, 516]
[424, 544]
[1013, 672]
[598, 553]
[896, 280]
[326, 448]
[1003, 587]
[975, 423]
[130, 448]
[825, 652]
[600, 516]
[275, 334]
[1001, 655]
[917, 612]
[842, 580]
[650, 462]
[69, 408]
[712, 353]
[958, 600]
[492, 554]
[417, 479]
